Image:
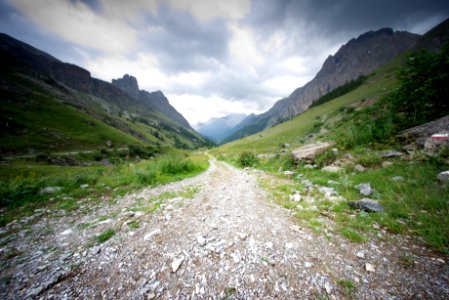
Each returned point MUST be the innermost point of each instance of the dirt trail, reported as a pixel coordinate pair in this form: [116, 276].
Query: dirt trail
[227, 242]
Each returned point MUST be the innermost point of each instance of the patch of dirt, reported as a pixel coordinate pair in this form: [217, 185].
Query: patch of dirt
[227, 242]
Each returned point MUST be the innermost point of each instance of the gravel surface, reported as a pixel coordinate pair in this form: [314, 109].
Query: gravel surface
[227, 241]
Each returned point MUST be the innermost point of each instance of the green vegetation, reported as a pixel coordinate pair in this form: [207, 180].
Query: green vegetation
[363, 123]
[340, 91]
[247, 159]
[420, 98]
[23, 185]
[105, 235]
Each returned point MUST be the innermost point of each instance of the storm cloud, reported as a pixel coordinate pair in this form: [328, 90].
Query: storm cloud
[209, 57]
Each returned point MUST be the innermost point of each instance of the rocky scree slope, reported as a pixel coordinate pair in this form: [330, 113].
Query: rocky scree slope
[360, 56]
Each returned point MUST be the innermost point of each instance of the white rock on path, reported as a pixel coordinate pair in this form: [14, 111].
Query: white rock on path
[176, 264]
[148, 236]
[67, 232]
[201, 240]
[369, 268]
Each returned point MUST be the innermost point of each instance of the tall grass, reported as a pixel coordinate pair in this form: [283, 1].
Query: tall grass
[21, 187]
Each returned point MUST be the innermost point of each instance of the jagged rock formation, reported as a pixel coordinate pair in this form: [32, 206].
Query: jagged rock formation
[359, 56]
[128, 84]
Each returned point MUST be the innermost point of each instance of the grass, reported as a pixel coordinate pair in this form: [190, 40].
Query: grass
[21, 184]
[105, 235]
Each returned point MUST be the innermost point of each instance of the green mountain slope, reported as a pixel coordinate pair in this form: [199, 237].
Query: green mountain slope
[48, 106]
[296, 131]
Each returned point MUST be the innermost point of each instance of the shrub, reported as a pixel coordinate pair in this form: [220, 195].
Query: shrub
[247, 159]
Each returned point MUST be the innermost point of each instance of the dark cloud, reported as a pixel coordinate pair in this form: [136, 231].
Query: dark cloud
[182, 43]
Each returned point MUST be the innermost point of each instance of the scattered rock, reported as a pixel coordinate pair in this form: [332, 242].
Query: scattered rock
[176, 264]
[309, 166]
[359, 168]
[332, 169]
[84, 186]
[308, 265]
[368, 205]
[108, 143]
[327, 191]
[360, 254]
[392, 153]
[365, 189]
[50, 189]
[443, 176]
[369, 268]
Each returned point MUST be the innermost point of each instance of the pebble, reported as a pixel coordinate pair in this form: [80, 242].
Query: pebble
[369, 268]
[201, 240]
[308, 265]
[360, 254]
[67, 232]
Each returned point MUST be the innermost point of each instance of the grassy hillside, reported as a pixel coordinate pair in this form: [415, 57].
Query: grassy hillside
[295, 131]
[362, 123]
[40, 117]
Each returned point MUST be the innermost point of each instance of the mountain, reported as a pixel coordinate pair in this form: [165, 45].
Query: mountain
[216, 129]
[360, 56]
[153, 101]
[49, 105]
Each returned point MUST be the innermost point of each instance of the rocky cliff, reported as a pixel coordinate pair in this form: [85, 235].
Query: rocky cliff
[360, 56]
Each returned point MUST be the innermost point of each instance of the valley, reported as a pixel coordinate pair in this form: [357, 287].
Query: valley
[338, 191]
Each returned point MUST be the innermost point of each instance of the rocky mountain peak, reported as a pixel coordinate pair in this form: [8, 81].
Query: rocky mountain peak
[128, 84]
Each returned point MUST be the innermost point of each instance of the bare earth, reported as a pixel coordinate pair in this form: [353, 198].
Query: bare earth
[227, 242]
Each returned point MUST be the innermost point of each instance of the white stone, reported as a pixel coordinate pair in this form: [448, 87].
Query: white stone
[148, 236]
[176, 264]
[443, 176]
[84, 186]
[67, 232]
[359, 168]
[365, 189]
[360, 254]
[308, 265]
[295, 197]
[201, 240]
[369, 268]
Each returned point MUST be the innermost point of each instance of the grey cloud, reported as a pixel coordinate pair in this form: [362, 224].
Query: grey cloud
[182, 43]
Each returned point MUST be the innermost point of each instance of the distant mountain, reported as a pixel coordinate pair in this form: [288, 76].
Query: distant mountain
[216, 129]
[51, 105]
[359, 56]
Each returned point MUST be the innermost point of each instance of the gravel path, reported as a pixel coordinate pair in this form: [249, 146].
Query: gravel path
[228, 241]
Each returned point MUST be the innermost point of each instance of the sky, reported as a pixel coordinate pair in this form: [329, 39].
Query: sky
[209, 57]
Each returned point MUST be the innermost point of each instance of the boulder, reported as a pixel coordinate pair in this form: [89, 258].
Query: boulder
[365, 189]
[366, 204]
[308, 152]
[443, 176]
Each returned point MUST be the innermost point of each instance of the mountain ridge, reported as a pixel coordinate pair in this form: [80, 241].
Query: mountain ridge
[359, 56]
